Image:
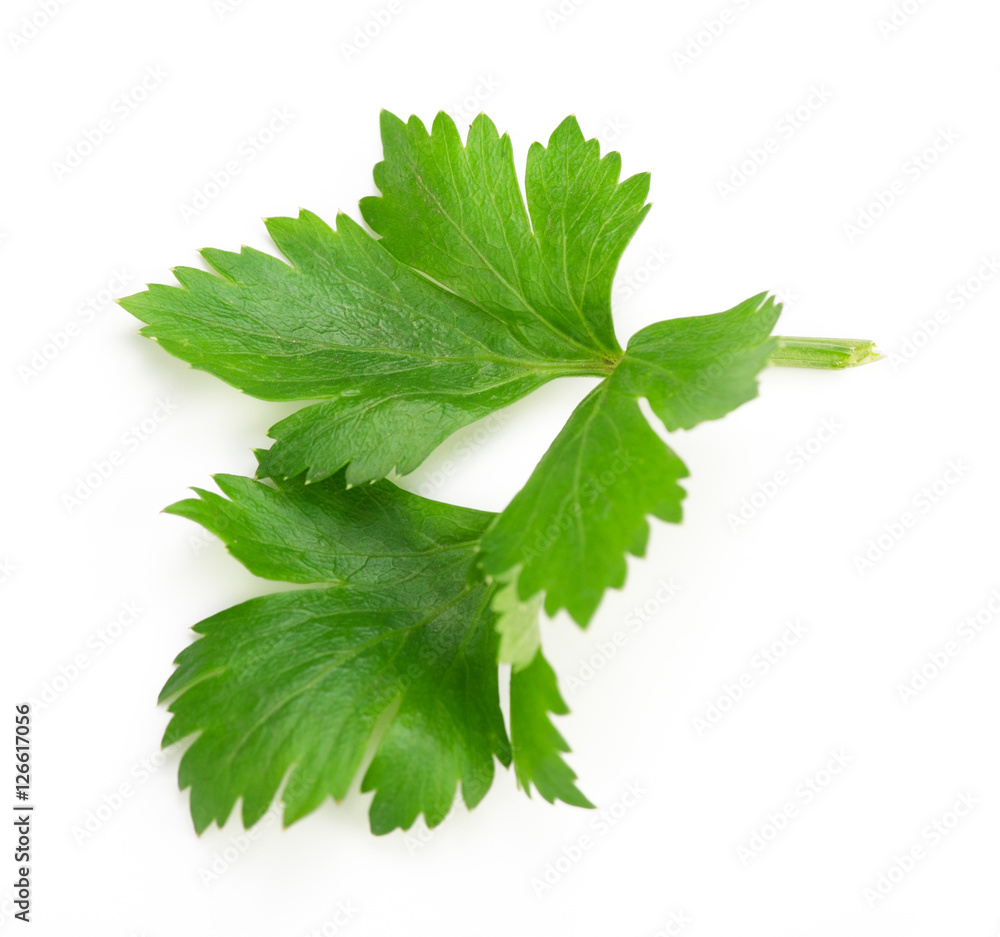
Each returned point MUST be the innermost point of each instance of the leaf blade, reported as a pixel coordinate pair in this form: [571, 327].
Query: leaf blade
[293, 685]
[585, 506]
[536, 744]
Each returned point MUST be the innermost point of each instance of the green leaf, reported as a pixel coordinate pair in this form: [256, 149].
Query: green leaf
[534, 740]
[368, 536]
[400, 362]
[475, 296]
[394, 424]
[295, 685]
[585, 505]
[703, 367]
[517, 624]
[456, 213]
[460, 310]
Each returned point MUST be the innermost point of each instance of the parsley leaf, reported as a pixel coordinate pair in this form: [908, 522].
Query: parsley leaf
[472, 296]
[294, 686]
[585, 505]
[400, 362]
[456, 213]
[535, 741]
[374, 535]
[700, 368]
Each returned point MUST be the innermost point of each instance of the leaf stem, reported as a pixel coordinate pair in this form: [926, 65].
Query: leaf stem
[828, 353]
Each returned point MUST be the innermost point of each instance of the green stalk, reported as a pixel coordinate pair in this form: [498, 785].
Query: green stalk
[829, 353]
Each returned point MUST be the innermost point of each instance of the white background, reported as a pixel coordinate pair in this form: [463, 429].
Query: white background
[68, 568]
